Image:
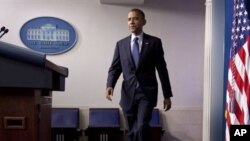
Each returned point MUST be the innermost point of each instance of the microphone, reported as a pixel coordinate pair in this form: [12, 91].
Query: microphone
[4, 30]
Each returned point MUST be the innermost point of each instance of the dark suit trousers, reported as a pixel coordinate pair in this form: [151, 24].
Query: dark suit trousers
[138, 118]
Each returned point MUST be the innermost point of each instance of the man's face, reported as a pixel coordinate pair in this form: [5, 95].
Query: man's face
[135, 22]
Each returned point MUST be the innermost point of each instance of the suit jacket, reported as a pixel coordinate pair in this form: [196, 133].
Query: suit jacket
[151, 58]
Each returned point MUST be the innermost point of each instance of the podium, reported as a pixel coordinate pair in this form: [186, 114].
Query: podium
[27, 80]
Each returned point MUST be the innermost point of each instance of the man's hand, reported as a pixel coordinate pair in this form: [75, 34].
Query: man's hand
[167, 104]
[109, 93]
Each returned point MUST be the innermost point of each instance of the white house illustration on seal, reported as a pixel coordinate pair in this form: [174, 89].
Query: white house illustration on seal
[48, 32]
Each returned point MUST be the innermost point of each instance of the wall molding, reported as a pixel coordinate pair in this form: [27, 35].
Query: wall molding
[207, 72]
[123, 2]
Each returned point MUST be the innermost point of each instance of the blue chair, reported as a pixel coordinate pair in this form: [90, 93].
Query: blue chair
[65, 124]
[156, 126]
[104, 125]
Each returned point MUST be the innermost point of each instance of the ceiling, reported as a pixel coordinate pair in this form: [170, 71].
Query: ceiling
[125, 2]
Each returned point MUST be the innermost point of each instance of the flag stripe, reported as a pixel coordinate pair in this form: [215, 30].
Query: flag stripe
[238, 85]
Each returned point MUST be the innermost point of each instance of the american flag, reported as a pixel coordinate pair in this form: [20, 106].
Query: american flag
[238, 82]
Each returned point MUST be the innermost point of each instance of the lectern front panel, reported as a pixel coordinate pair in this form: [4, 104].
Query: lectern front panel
[25, 115]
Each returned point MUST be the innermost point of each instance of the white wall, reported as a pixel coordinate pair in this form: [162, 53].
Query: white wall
[179, 23]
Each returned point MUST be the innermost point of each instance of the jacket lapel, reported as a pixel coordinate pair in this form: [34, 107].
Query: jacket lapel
[128, 51]
[144, 48]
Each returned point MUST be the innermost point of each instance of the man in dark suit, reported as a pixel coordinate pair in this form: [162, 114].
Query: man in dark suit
[137, 57]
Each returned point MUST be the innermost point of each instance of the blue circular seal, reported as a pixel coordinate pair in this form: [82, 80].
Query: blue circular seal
[48, 35]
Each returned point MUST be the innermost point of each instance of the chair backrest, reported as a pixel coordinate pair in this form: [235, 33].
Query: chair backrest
[65, 118]
[104, 117]
[155, 119]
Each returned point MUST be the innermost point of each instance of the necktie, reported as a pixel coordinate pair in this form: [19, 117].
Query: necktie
[135, 51]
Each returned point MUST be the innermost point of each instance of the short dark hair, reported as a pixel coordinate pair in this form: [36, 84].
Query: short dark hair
[138, 11]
